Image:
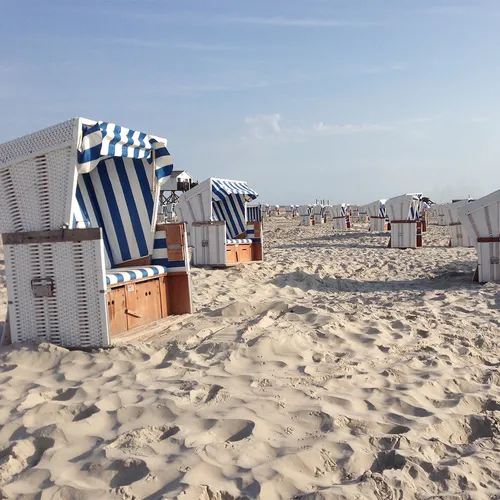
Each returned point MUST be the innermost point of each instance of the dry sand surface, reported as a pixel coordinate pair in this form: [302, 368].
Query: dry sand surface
[338, 368]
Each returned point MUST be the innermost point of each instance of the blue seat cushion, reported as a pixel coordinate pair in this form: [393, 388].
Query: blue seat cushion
[124, 274]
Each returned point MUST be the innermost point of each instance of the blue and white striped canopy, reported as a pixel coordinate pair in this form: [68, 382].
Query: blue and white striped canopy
[117, 189]
[105, 140]
[229, 204]
[222, 188]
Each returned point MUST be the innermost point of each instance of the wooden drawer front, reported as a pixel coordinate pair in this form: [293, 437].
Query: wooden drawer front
[231, 257]
[116, 311]
[244, 253]
[143, 303]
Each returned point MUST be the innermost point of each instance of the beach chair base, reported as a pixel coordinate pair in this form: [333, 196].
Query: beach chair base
[488, 253]
[211, 248]
[141, 302]
[405, 234]
[305, 220]
[459, 237]
[377, 224]
[341, 223]
[5, 339]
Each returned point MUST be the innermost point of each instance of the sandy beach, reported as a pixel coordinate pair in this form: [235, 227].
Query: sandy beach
[336, 369]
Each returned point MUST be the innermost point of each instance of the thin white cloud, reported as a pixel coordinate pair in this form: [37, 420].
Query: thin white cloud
[373, 70]
[321, 128]
[145, 43]
[262, 126]
[189, 90]
[203, 47]
[304, 22]
[268, 127]
[457, 9]
[129, 42]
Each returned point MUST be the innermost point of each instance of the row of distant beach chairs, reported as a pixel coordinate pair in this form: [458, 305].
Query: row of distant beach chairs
[471, 223]
[86, 262]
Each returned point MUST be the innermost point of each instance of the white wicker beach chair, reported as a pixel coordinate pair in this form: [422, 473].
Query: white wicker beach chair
[340, 217]
[458, 235]
[376, 212]
[404, 217]
[317, 214]
[85, 260]
[305, 215]
[481, 220]
[222, 230]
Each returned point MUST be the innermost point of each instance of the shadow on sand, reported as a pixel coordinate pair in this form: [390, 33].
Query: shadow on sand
[442, 278]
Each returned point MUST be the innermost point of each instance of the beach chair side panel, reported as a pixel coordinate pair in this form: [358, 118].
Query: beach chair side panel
[55, 285]
[209, 240]
[179, 297]
[37, 178]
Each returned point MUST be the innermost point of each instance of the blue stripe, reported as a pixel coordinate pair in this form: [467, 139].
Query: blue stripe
[145, 187]
[176, 263]
[129, 142]
[114, 211]
[132, 207]
[90, 154]
[164, 171]
[230, 222]
[97, 211]
[160, 262]
[160, 243]
[115, 140]
[238, 204]
[142, 144]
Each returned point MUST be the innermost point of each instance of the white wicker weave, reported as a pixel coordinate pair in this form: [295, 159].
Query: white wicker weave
[76, 314]
[37, 179]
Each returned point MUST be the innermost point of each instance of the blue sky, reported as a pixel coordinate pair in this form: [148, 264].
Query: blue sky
[347, 100]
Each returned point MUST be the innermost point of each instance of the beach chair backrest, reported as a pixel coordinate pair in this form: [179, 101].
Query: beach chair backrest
[481, 218]
[404, 207]
[37, 178]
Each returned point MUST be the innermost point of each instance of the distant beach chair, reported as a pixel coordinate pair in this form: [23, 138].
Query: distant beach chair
[85, 260]
[274, 210]
[317, 215]
[340, 217]
[354, 214]
[458, 235]
[305, 215]
[404, 216]
[440, 215]
[376, 212]
[222, 230]
[481, 220]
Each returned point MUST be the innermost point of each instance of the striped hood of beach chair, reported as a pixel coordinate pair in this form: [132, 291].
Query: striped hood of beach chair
[254, 213]
[120, 171]
[229, 200]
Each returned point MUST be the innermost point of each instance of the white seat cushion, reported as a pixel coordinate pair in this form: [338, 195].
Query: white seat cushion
[238, 241]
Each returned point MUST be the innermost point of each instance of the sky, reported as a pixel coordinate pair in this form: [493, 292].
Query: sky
[343, 100]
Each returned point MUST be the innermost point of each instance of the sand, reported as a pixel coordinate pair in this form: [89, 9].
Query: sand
[336, 369]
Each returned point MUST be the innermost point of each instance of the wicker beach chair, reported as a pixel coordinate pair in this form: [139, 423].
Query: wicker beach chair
[84, 257]
[222, 231]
